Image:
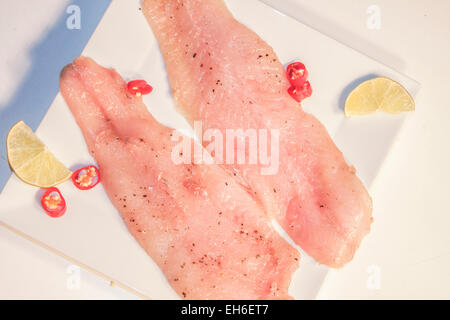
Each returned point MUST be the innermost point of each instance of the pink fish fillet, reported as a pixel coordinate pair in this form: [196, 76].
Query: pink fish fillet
[209, 237]
[224, 75]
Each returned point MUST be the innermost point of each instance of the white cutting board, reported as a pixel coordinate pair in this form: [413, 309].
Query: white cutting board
[92, 233]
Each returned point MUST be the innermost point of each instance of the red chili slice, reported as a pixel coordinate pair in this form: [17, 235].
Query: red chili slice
[139, 87]
[300, 93]
[297, 74]
[86, 178]
[53, 202]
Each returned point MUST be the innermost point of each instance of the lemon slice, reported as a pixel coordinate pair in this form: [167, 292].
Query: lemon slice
[378, 94]
[30, 159]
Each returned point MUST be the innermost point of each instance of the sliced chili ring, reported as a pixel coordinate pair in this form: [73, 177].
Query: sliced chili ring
[53, 202]
[295, 93]
[86, 178]
[139, 87]
[300, 93]
[297, 74]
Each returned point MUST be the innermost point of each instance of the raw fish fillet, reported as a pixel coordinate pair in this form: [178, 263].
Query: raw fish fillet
[224, 75]
[209, 237]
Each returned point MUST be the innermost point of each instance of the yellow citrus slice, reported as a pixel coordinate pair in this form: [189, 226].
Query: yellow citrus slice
[376, 94]
[30, 159]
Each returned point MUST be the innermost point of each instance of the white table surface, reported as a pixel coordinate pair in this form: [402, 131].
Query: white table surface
[407, 254]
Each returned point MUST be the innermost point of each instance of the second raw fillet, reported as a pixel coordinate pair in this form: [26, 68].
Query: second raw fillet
[227, 77]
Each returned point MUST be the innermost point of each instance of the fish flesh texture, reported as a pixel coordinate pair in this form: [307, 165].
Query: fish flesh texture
[224, 75]
[208, 236]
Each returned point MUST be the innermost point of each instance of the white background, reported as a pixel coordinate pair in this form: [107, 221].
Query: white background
[410, 243]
